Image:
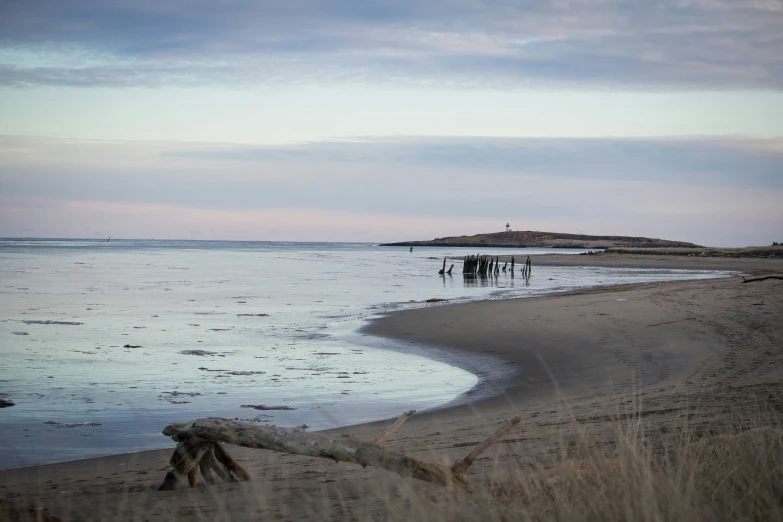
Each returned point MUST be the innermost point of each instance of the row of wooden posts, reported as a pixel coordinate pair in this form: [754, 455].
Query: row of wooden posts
[484, 266]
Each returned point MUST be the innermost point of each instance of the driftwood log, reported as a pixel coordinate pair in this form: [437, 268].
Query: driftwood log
[754, 279]
[200, 449]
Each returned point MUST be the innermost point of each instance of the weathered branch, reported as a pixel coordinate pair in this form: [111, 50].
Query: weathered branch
[394, 427]
[200, 445]
[207, 464]
[184, 461]
[753, 279]
[461, 467]
[221, 471]
[229, 463]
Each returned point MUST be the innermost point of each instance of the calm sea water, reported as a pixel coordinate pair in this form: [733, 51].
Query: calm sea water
[105, 343]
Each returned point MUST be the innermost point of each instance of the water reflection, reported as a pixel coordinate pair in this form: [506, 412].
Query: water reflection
[502, 280]
[448, 280]
[489, 281]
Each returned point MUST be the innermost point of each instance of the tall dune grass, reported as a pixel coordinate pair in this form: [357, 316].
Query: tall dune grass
[635, 469]
[734, 476]
[638, 469]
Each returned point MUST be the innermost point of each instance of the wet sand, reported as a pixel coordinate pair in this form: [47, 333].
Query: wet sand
[741, 264]
[671, 262]
[667, 352]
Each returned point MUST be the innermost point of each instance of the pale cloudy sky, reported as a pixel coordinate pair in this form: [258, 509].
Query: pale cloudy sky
[390, 120]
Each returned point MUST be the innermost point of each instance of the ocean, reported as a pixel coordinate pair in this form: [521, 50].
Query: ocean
[102, 344]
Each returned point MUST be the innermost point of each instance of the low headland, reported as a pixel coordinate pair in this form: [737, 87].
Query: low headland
[610, 244]
[530, 239]
[658, 401]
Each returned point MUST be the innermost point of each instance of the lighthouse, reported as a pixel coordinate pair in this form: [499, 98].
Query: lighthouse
[508, 227]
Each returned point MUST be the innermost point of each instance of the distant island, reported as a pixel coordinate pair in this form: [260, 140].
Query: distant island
[522, 239]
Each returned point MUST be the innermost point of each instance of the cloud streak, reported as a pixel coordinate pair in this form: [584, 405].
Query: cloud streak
[697, 44]
[710, 191]
[682, 161]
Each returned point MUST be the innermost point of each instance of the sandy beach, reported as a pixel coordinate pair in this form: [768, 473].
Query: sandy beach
[670, 354]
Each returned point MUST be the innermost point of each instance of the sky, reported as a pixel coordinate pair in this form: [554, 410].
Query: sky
[336, 120]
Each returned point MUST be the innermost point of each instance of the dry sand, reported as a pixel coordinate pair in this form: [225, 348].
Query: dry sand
[671, 353]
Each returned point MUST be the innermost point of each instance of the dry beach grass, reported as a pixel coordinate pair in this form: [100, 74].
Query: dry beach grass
[638, 468]
[648, 402]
